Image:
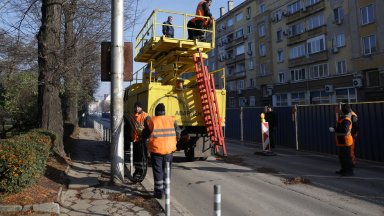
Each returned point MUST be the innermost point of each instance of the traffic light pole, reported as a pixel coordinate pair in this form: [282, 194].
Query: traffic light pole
[117, 111]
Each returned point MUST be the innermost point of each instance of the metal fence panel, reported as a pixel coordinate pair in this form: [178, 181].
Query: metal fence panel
[252, 124]
[285, 127]
[313, 128]
[232, 123]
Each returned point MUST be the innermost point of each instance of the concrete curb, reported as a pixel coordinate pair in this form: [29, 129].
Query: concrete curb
[50, 207]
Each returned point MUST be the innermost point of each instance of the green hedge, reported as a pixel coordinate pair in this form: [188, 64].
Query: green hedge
[23, 159]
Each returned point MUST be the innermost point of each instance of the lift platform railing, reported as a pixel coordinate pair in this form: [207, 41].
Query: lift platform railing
[154, 24]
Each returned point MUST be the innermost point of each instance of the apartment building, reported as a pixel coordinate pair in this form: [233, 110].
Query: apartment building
[288, 52]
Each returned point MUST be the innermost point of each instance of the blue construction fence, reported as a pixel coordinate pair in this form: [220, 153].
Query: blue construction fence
[312, 123]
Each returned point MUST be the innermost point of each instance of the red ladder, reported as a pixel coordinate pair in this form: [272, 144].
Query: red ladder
[209, 104]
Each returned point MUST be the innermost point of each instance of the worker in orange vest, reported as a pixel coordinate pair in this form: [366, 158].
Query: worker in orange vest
[203, 9]
[344, 141]
[163, 134]
[135, 127]
[355, 129]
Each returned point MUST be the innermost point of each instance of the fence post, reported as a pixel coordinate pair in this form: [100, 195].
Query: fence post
[217, 202]
[296, 129]
[167, 190]
[241, 124]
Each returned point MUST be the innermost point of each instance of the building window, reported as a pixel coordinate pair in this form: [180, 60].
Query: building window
[298, 98]
[339, 40]
[239, 33]
[281, 77]
[369, 44]
[279, 35]
[298, 74]
[296, 29]
[293, 8]
[240, 84]
[346, 95]
[240, 49]
[212, 66]
[230, 22]
[240, 68]
[280, 56]
[252, 101]
[250, 64]
[319, 97]
[239, 17]
[375, 78]
[249, 11]
[262, 49]
[242, 102]
[232, 102]
[312, 2]
[318, 70]
[315, 22]
[249, 28]
[338, 14]
[263, 8]
[261, 30]
[281, 100]
[278, 15]
[230, 86]
[251, 83]
[297, 51]
[263, 70]
[367, 15]
[341, 67]
[316, 44]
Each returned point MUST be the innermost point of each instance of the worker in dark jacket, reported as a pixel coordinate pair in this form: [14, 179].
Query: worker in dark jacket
[344, 141]
[203, 9]
[271, 118]
[133, 131]
[168, 29]
[355, 129]
[163, 134]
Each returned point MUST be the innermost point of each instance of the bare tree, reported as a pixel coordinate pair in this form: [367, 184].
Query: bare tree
[49, 102]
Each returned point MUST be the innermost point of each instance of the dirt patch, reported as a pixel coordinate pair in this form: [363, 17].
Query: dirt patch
[146, 202]
[296, 180]
[266, 170]
[236, 159]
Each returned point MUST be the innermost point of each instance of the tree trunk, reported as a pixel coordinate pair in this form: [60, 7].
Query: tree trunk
[49, 102]
[70, 62]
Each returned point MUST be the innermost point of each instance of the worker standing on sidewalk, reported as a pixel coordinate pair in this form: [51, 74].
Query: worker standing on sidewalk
[344, 141]
[163, 134]
[355, 129]
[136, 125]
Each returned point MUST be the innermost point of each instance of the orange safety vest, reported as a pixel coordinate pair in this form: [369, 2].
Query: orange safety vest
[137, 123]
[163, 135]
[344, 139]
[200, 12]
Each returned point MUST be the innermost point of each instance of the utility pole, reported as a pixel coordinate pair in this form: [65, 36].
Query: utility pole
[117, 111]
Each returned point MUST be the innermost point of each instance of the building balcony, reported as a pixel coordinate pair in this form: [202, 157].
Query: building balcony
[305, 60]
[235, 76]
[308, 34]
[235, 59]
[306, 12]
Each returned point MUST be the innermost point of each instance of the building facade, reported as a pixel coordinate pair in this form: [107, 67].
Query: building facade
[287, 52]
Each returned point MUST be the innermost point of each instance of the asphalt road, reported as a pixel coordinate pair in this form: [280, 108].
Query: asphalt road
[260, 185]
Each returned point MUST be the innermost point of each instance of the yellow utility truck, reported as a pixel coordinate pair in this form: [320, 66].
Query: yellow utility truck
[176, 76]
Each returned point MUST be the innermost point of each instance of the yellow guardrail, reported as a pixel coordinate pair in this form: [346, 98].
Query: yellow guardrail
[153, 28]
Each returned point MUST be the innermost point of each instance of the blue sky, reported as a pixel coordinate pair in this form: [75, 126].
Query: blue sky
[183, 6]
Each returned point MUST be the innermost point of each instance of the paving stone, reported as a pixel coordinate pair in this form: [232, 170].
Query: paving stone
[83, 201]
[81, 206]
[64, 210]
[137, 208]
[27, 208]
[100, 202]
[99, 209]
[10, 208]
[47, 207]
[143, 213]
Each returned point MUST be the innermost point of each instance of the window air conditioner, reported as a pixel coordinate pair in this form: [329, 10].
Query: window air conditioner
[357, 82]
[328, 88]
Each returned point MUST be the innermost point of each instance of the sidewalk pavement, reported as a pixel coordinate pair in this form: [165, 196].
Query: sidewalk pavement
[90, 191]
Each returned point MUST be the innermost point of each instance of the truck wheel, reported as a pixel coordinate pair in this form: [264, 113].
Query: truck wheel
[190, 154]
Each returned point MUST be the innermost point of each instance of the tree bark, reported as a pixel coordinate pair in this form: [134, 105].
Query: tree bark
[70, 63]
[49, 102]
